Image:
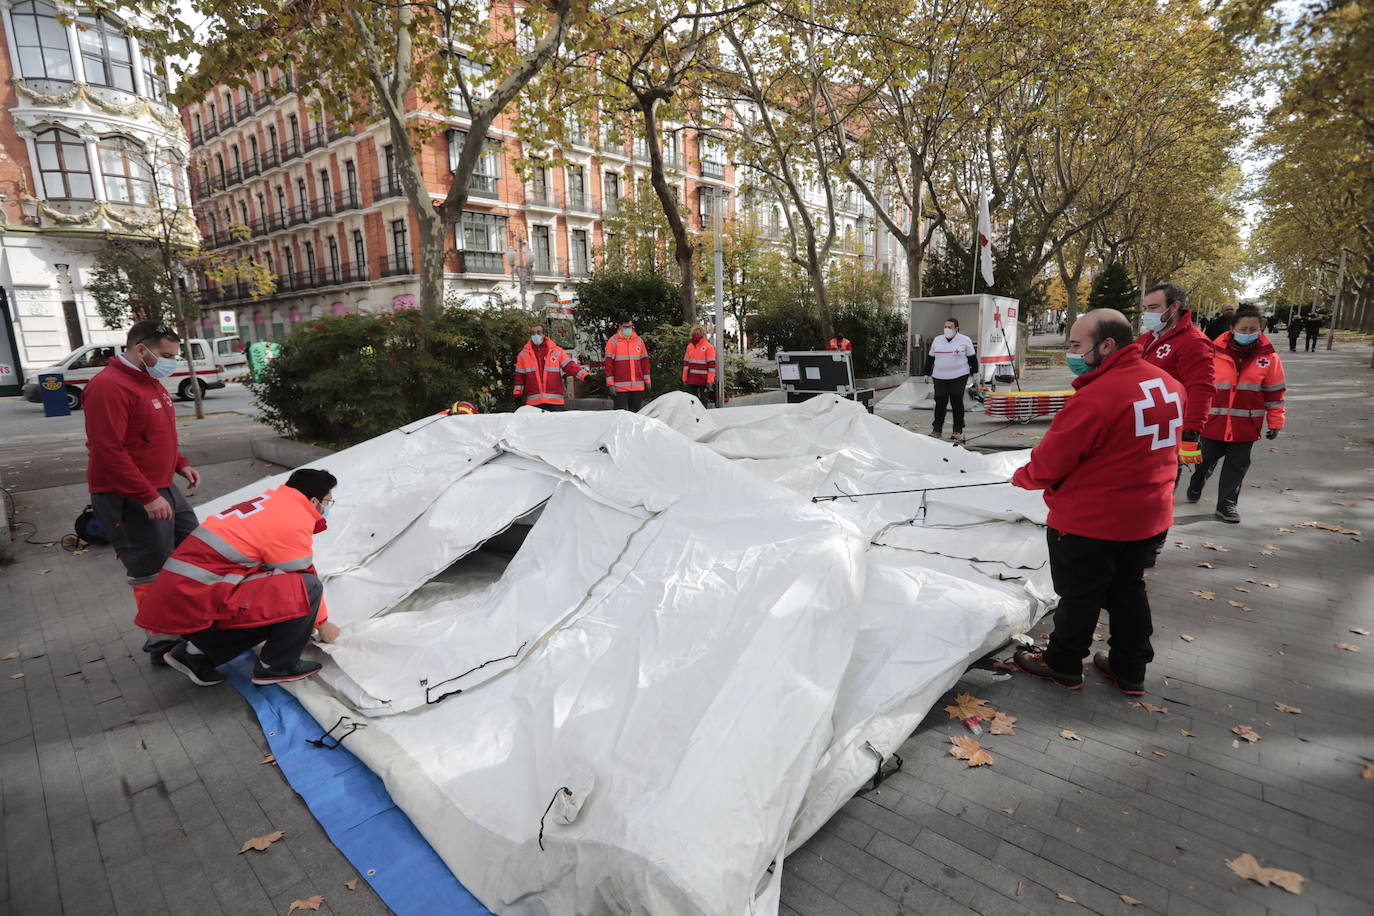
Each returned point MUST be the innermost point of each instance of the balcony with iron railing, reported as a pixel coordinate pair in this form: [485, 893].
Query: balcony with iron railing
[271, 158]
[580, 201]
[290, 148]
[672, 160]
[354, 272]
[541, 197]
[387, 186]
[347, 199]
[579, 268]
[243, 109]
[483, 186]
[610, 205]
[211, 128]
[397, 265]
[315, 138]
[545, 266]
[276, 222]
[251, 167]
[339, 129]
[226, 120]
[196, 136]
[483, 262]
[712, 169]
[298, 215]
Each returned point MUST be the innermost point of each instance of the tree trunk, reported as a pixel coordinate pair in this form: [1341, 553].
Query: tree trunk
[815, 269]
[432, 251]
[682, 243]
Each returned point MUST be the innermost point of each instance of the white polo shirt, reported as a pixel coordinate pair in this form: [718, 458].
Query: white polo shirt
[951, 356]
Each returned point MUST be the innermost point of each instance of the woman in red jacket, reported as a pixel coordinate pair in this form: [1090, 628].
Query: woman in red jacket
[1250, 388]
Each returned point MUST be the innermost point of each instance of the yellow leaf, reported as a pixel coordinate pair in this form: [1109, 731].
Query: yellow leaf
[1185, 733]
[970, 750]
[351, 885]
[1149, 707]
[966, 705]
[261, 842]
[1241, 589]
[1159, 753]
[1247, 733]
[1013, 810]
[270, 758]
[1129, 900]
[1066, 898]
[1270, 584]
[1247, 866]
[16, 655]
[1347, 647]
[1368, 771]
[309, 903]
[1185, 637]
[1206, 596]
[1217, 547]
[1069, 735]
[1206, 565]
[1002, 724]
[1284, 707]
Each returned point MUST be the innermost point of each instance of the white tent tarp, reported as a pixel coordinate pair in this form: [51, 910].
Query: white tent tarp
[688, 666]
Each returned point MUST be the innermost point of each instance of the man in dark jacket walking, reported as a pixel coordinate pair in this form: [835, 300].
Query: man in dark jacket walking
[1313, 327]
[1295, 326]
[1220, 324]
[1107, 466]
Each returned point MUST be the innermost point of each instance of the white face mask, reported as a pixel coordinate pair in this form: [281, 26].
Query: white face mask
[1152, 321]
[536, 339]
[949, 333]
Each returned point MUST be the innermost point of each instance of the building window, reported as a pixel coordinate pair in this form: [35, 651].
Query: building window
[272, 138]
[543, 249]
[389, 160]
[334, 257]
[302, 196]
[326, 189]
[474, 77]
[105, 52]
[290, 262]
[171, 176]
[610, 191]
[243, 213]
[253, 150]
[351, 179]
[295, 124]
[576, 178]
[62, 163]
[400, 240]
[359, 252]
[483, 232]
[195, 119]
[310, 259]
[125, 168]
[578, 252]
[238, 160]
[487, 172]
[41, 41]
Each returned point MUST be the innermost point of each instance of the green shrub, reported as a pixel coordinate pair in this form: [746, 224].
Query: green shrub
[604, 299]
[341, 380]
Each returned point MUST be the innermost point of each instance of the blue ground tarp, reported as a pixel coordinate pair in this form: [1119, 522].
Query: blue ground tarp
[353, 806]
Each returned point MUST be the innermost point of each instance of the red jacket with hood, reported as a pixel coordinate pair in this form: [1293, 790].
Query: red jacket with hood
[1185, 352]
[1108, 463]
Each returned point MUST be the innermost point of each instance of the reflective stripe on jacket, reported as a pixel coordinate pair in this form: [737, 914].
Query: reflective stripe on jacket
[546, 386]
[235, 569]
[699, 363]
[627, 364]
[1250, 388]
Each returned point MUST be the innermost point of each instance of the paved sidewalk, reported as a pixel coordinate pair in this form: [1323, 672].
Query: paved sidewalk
[125, 789]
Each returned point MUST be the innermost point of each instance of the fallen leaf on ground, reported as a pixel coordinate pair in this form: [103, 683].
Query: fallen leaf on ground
[1150, 707]
[1008, 810]
[1284, 530]
[1159, 753]
[966, 704]
[1186, 638]
[351, 885]
[1217, 547]
[270, 758]
[1358, 631]
[1240, 604]
[1347, 647]
[44, 572]
[1338, 502]
[16, 654]
[1129, 900]
[1270, 584]
[1066, 898]
[1368, 771]
[309, 903]
[970, 750]
[1069, 735]
[1182, 546]
[1254, 565]
[1240, 588]
[1247, 733]
[1206, 596]
[15, 677]
[1247, 866]
[1284, 707]
[1339, 529]
[1185, 733]
[1206, 565]
[1002, 724]
[262, 842]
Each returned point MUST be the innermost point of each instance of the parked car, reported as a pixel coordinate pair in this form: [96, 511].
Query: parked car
[81, 365]
[232, 358]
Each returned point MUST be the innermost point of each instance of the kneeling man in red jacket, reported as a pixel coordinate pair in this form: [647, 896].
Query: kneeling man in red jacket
[247, 576]
[1107, 466]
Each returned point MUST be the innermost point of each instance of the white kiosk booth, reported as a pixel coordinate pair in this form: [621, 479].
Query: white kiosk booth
[992, 322]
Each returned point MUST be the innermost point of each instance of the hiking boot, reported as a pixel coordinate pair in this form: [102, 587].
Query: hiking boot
[936, 432]
[958, 436]
[1228, 514]
[196, 667]
[1032, 661]
[1104, 668]
[157, 647]
[280, 674]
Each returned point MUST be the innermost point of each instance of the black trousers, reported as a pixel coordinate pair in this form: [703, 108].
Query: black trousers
[142, 544]
[951, 391]
[1312, 340]
[1089, 575]
[628, 400]
[1234, 458]
[550, 407]
[703, 393]
[1293, 343]
[283, 642]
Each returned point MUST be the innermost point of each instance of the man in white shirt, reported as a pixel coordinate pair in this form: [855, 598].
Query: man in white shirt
[952, 357]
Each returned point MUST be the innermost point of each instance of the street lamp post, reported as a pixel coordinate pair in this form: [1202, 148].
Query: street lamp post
[521, 269]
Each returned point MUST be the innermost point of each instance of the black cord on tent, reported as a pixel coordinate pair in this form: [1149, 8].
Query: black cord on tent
[563, 789]
[429, 700]
[957, 486]
[323, 741]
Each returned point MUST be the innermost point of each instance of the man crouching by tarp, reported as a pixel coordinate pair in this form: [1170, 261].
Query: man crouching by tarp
[247, 576]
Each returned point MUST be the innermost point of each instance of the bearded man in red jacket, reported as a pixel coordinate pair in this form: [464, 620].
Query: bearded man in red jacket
[1107, 466]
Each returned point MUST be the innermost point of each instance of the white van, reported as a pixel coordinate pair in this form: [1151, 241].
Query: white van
[231, 358]
[81, 365]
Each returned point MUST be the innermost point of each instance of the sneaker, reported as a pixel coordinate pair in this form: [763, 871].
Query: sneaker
[1104, 668]
[1228, 514]
[958, 436]
[1194, 495]
[1032, 661]
[936, 433]
[274, 674]
[157, 647]
[196, 667]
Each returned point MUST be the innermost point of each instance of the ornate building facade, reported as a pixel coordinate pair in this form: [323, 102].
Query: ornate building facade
[85, 140]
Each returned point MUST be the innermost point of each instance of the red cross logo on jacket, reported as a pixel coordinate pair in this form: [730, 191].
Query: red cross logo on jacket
[1163, 351]
[1158, 414]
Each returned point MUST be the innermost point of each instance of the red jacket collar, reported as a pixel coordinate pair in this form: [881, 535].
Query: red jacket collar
[1258, 348]
[120, 365]
[1127, 356]
[1185, 321]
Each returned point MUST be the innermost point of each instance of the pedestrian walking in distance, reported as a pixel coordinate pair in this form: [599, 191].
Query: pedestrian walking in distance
[131, 437]
[627, 368]
[1173, 343]
[539, 370]
[1221, 323]
[1107, 467]
[1250, 392]
[1313, 326]
[1295, 328]
[952, 359]
[699, 366]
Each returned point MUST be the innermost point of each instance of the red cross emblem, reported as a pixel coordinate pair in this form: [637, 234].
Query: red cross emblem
[245, 508]
[1158, 414]
[1262, 362]
[1163, 351]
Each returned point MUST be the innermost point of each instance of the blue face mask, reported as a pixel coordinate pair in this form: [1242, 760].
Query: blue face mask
[162, 368]
[1244, 340]
[1152, 321]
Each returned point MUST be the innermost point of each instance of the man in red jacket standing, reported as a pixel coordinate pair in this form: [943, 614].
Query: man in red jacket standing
[539, 369]
[131, 437]
[1173, 343]
[1107, 466]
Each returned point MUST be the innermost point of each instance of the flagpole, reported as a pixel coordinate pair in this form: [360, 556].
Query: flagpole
[976, 246]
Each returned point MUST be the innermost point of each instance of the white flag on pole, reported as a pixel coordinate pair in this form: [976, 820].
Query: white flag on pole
[985, 237]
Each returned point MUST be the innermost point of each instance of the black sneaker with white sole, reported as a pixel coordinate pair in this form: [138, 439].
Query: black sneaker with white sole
[1104, 668]
[1032, 661]
[157, 647]
[264, 675]
[196, 667]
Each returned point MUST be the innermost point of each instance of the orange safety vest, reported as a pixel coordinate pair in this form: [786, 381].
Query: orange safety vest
[1250, 392]
[699, 363]
[627, 364]
[544, 385]
[235, 570]
[836, 345]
